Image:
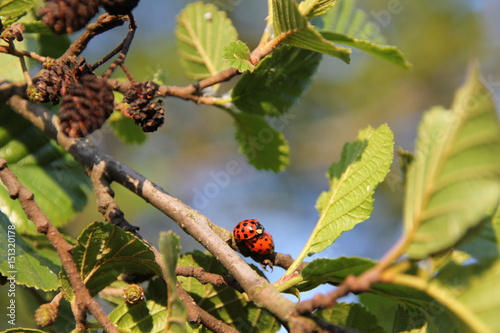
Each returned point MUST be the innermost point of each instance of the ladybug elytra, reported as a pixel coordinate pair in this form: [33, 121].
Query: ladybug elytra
[247, 229]
[262, 244]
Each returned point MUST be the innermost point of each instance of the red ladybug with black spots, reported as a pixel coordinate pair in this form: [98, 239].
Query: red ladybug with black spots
[262, 244]
[247, 229]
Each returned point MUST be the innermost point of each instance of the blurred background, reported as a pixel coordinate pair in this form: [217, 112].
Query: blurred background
[189, 155]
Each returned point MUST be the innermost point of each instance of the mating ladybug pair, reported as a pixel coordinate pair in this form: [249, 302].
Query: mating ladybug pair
[252, 233]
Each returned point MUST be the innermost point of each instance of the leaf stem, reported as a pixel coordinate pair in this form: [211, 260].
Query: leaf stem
[282, 286]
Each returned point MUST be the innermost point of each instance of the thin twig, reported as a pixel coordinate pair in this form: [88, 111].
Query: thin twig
[19, 53]
[83, 299]
[205, 277]
[191, 92]
[104, 23]
[124, 49]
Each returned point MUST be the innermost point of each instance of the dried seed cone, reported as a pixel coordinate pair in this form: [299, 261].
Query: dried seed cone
[55, 80]
[86, 106]
[119, 7]
[46, 314]
[68, 16]
[149, 115]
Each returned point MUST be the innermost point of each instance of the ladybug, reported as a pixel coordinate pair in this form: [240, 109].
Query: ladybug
[247, 229]
[262, 244]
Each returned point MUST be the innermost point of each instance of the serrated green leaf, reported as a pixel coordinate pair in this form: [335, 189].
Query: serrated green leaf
[15, 8]
[104, 251]
[125, 129]
[59, 183]
[225, 303]
[363, 165]
[264, 147]
[202, 32]
[348, 25]
[278, 82]
[177, 314]
[237, 55]
[313, 8]
[288, 21]
[387, 52]
[148, 316]
[351, 315]
[454, 182]
[19, 260]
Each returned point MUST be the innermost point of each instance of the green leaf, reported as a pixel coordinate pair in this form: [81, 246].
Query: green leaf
[288, 21]
[363, 165]
[104, 251]
[237, 55]
[313, 8]
[15, 8]
[37, 27]
[454, 182]
[28, 267]
[351, 315]
[278, 82]
[224, 302]
[336, 270]
[392, 316]
[347, 25]
[59, 183]
[264, 147]
[177, 314]
[125, 129]
[387, 52]
[475, 292]
[148, 316]
[52, 45]
[346, 19]
[202, 32]
[484, 243]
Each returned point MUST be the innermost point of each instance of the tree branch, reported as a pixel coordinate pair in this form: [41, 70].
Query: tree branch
[192, 222]
[83, 299]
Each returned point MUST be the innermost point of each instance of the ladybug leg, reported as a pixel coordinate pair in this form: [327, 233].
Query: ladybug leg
[267, 263]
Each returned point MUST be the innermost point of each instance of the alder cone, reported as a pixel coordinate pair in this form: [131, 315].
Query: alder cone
[68, 16]
[58, 76]
[119, 7]
[86, 106]
[149, 115]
